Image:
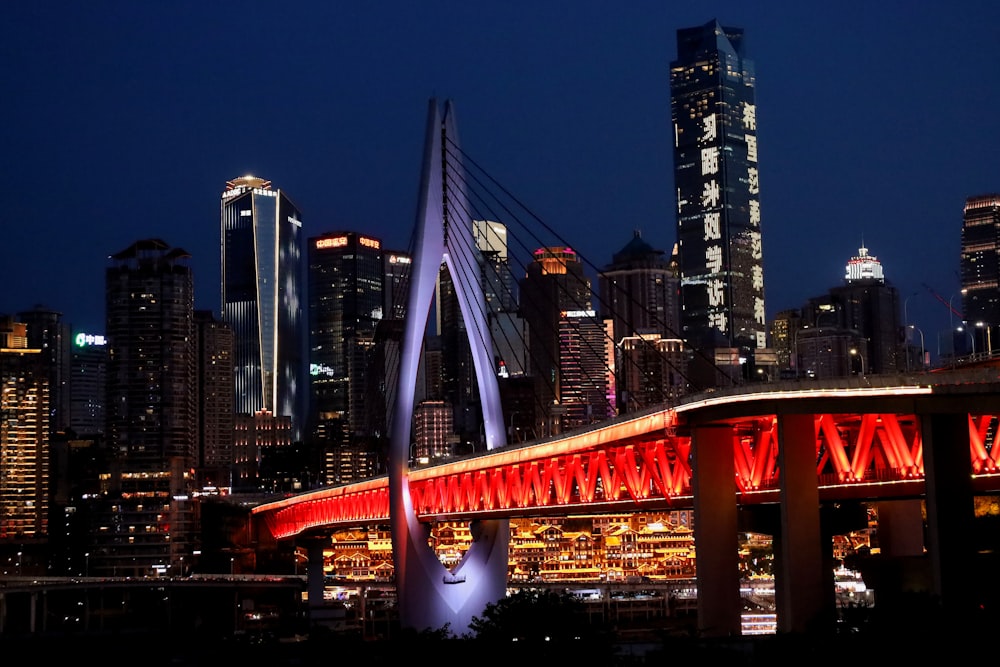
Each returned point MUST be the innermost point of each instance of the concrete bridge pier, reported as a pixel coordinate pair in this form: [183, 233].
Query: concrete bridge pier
[716, 531]
[950, 512]
[315, 577]
[802, 592]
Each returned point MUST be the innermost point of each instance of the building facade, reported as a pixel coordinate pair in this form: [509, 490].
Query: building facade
[980, 269]
[24, 438]
[346, 278]
[554, 283]
[586, 369]
[713, 107]
[48, 332]
[262, 298]
[88, 384]
[640, 296]
[147, 519]
[214, 380]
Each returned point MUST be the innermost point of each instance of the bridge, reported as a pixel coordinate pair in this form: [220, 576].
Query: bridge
[784, 452]
[793, 446]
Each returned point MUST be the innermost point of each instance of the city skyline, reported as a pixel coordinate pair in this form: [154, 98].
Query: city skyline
[105, 109]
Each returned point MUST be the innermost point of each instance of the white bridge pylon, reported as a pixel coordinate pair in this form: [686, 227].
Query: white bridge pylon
[431, 596]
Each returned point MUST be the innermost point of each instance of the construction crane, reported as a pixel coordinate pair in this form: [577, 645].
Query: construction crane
[946, 302]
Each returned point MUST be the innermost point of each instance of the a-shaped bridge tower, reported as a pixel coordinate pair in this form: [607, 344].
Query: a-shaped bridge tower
[431, 596]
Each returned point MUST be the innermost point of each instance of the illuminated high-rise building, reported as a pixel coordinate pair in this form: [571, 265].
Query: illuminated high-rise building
[262, 298]
[497, 279]
[346, 277]
[586, 390]
[48, 332]
[639, 291]
[148, 521]
[640, 295]
[87, 385]
[980, 269]
[397, 283]
[716, 177]
[214, 378]
[554, 283]
[24, 436]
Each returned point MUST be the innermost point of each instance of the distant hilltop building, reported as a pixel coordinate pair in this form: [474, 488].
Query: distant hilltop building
[854, 329]
[864, 267]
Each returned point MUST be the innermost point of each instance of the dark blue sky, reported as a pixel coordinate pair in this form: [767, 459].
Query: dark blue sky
[124, 120]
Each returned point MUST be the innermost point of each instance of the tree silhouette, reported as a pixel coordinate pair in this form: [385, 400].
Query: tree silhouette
[541, 621]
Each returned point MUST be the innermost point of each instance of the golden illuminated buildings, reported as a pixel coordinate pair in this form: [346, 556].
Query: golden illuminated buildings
[24, 437]
[433, 432]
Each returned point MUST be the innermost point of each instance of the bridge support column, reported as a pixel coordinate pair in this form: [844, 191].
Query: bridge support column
[950, 511]
[315, 579]
[716, 531]
[800, 585]
[33, 613]
[900, 528]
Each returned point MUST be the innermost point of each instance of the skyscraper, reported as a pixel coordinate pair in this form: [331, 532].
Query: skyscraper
[147, 521]
[586, 393]
[88, 384]
[497, 279]
[262, 298]
[639, 291]
[214, 379]
[554, 283]
[24, 436]
[871, 308]
[49, 333]
[346, 276]
[640, 296]
[980, 268]
[717, 191]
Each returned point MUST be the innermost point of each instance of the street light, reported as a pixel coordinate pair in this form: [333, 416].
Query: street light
[951, 311]
[989, 343]
[971, 338]
[854, 353]
[922, 353]
[86, 564]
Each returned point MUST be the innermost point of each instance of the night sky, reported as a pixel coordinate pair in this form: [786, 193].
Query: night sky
[124, 120]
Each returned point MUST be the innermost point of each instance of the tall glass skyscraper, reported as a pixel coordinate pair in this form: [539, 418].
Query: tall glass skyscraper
[346, 277]
[717, 191]
[262, 298]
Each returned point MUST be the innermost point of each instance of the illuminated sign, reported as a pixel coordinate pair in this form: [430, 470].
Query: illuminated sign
[399, 259]
[579, 313]
[87, 340]
[320, 369]
[341, 241]
[335, 242]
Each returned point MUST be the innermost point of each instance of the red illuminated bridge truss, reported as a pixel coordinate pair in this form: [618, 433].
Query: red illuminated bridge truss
[641, 463]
